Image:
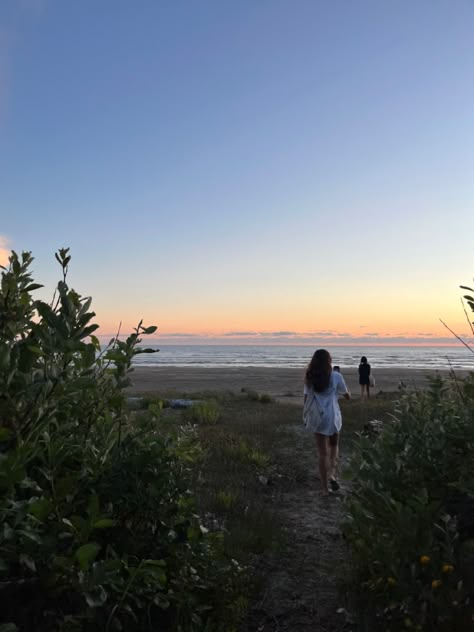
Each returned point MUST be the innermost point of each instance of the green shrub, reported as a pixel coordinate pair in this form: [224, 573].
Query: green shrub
[412, 495]
[98, 527]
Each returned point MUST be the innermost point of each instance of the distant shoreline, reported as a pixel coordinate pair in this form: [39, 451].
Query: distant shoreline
[281, 383]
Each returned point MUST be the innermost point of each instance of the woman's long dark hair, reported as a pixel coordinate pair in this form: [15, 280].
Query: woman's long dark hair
[318, 373]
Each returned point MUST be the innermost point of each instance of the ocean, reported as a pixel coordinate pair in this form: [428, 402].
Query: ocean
[297, 356]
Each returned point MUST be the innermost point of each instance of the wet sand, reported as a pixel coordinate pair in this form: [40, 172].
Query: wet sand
[278, 382]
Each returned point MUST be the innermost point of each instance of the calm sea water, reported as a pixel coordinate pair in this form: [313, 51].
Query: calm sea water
[297, 356]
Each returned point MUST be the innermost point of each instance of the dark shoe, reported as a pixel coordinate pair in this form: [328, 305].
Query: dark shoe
[334, 485]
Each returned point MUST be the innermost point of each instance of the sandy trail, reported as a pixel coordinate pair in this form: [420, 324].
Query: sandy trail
[301, 592]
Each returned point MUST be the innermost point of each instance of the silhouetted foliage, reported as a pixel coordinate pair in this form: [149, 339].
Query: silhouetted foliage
[98, 527]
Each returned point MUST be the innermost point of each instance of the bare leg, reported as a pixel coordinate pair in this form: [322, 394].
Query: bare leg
[362, 391]
[368, 391]
[321, 443]
[333, 456]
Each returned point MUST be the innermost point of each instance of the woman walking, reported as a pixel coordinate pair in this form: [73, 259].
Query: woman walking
[322, 415]
[364, 377]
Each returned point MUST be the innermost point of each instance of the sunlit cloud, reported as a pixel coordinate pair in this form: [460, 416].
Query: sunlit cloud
[330, 339]
[278, 334]
[181, 335]
[5, 250]
[231, 334]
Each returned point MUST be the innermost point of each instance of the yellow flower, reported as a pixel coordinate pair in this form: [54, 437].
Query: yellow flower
[436, 583]
[391, 581]
[447, 568]
[425, 559]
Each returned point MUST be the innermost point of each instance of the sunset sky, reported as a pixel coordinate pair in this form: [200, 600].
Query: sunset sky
[255, 170]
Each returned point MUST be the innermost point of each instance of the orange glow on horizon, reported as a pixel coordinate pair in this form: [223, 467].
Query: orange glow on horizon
[410, 317]
[5, 251]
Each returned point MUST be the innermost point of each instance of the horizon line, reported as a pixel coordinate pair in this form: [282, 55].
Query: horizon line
[218, 340]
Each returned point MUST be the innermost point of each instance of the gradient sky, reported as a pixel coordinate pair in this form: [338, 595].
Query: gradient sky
[275, 170]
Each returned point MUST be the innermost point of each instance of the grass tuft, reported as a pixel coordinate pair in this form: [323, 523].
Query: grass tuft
[207, 412]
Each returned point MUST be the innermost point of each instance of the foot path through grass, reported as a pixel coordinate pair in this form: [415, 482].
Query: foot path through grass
[259, 481]
[301, 591]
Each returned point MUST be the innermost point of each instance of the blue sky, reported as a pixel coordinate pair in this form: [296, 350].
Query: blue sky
[248, 166]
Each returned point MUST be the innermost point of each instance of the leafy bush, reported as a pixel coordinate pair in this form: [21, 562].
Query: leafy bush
[411, 516]
[98, 527]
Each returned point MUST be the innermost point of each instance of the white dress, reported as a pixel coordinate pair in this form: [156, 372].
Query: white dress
[330, 420]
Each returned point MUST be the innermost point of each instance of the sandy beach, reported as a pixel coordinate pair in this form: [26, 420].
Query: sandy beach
[278, 382]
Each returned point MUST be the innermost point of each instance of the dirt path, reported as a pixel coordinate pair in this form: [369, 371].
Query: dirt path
[301, 583]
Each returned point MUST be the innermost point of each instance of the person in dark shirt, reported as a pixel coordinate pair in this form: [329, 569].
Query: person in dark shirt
[364, 377]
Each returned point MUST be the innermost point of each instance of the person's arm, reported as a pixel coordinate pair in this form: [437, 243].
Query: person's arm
[341, 388]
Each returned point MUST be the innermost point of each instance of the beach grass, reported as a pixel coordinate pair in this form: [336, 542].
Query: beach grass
[248, 469]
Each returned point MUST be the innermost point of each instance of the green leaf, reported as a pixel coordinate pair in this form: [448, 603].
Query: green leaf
[47, 314]
[149, 330]
[35, 349]
[93, 506]
[27, 561]
[104, 523]
[4, 356]
[5, 434]
[160, 563]
[95, 341]
[40, 509]
[31, 535]
[88, 330]
[32, 287]
[87, 554]
[96, 598]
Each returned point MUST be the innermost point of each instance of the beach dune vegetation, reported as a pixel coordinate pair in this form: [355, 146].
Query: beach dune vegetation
[98, 529]
[410, 520]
